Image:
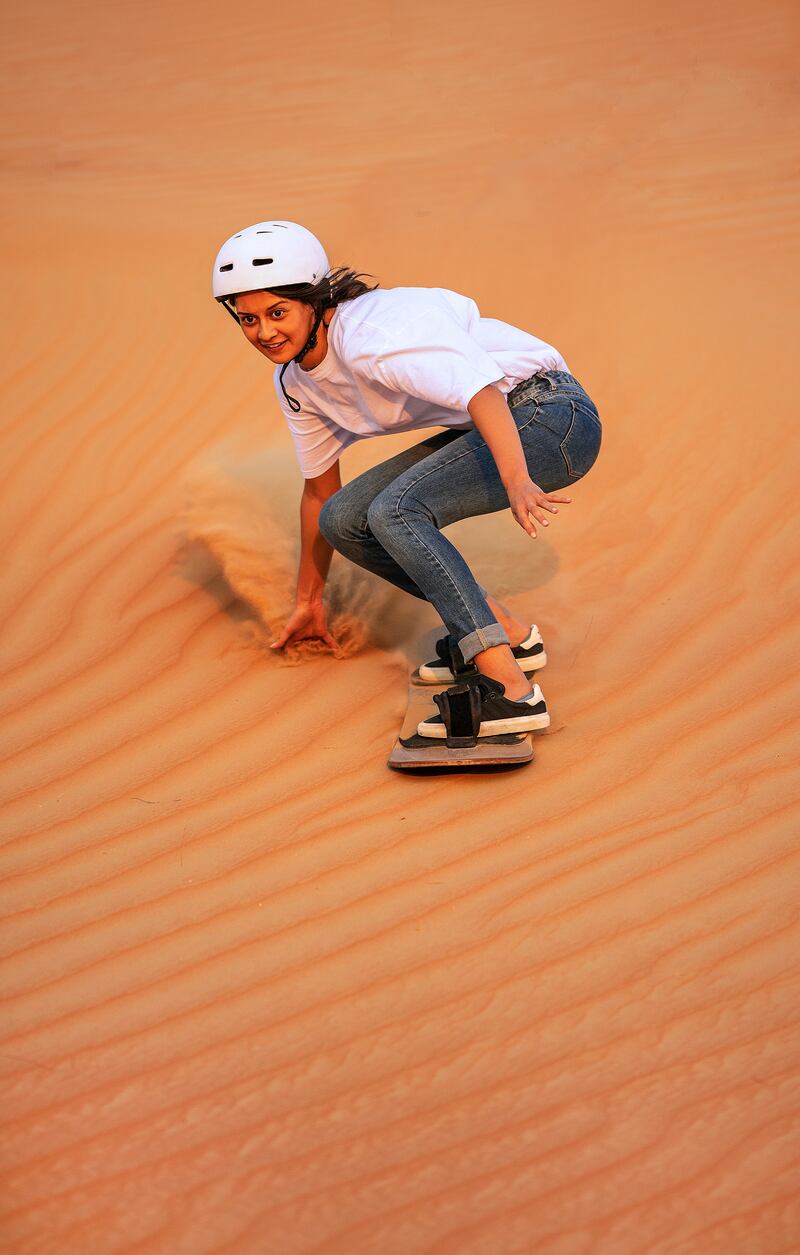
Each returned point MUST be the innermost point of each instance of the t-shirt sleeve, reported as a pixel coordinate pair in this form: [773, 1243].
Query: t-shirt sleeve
[318, 441]
[430, 357]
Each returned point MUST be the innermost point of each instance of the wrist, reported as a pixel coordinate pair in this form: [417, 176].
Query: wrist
[516, 479]
[309, 599]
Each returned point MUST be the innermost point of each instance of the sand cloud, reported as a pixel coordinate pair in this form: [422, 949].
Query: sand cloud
[242, 508]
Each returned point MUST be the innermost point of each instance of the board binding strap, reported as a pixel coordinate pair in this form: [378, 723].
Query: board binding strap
[459, 706]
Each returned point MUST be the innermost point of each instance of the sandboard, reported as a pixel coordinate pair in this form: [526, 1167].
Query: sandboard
[413, 751]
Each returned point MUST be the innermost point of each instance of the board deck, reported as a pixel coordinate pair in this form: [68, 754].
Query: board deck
[413, 751]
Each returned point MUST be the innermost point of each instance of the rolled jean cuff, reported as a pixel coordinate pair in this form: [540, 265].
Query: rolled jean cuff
[482, 638]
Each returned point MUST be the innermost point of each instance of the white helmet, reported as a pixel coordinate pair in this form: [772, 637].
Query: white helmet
[268, 255]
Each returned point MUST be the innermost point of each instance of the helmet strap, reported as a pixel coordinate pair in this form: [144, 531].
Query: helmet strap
[292, 402]
[311, 343]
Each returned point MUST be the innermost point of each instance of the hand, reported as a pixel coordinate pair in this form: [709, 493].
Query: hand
[527, 499]
[307, 622]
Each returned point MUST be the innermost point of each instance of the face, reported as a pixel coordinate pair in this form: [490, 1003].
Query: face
[274, 325]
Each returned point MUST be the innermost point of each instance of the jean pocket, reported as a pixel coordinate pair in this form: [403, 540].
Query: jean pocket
[523, 414]
[580, 444]
[587, 407]
[557, 415]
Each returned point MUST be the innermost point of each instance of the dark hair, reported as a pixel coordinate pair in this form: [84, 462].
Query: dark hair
[339, 285]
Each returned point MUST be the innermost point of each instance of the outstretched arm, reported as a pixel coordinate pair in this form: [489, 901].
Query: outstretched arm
[315, 552]
[308, 618]
[489, 412]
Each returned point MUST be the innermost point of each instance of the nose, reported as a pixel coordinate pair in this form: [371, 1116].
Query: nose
[267, 333]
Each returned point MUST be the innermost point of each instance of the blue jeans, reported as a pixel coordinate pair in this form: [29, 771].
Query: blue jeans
[389, 519]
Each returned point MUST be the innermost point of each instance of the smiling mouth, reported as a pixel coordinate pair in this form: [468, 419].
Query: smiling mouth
[273, 348]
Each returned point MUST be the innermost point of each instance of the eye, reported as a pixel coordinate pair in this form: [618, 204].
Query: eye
[276, 312]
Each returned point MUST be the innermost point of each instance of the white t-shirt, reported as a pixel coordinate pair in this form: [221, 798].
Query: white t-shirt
[399, 359]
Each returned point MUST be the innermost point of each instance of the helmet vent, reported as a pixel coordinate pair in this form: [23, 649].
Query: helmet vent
[263, 233]
[228, 267]
[262, 261]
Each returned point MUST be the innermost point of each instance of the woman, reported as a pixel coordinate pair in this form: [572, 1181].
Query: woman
[361, 361]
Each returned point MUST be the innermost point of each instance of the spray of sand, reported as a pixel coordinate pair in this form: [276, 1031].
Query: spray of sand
[242, 508]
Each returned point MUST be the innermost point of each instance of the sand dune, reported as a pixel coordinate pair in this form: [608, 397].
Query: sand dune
[261, 994]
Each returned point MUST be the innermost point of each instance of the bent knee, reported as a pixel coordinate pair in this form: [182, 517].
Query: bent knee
[376, 517]
[382, 513]
[389, 509]
[338, 523]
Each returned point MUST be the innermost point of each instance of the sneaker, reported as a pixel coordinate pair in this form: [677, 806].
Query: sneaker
[530, 655]
[498, 714]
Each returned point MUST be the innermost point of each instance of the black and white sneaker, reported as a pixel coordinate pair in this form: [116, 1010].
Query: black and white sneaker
[498, 714]
[450, 664]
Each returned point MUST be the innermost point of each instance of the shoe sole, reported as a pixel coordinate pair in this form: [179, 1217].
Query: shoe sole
[492, 727]
[443, 675]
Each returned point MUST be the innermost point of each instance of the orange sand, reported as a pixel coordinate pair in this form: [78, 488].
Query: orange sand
[262, 996]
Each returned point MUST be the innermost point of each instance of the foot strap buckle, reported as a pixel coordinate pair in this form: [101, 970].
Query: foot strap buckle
[460, 708]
